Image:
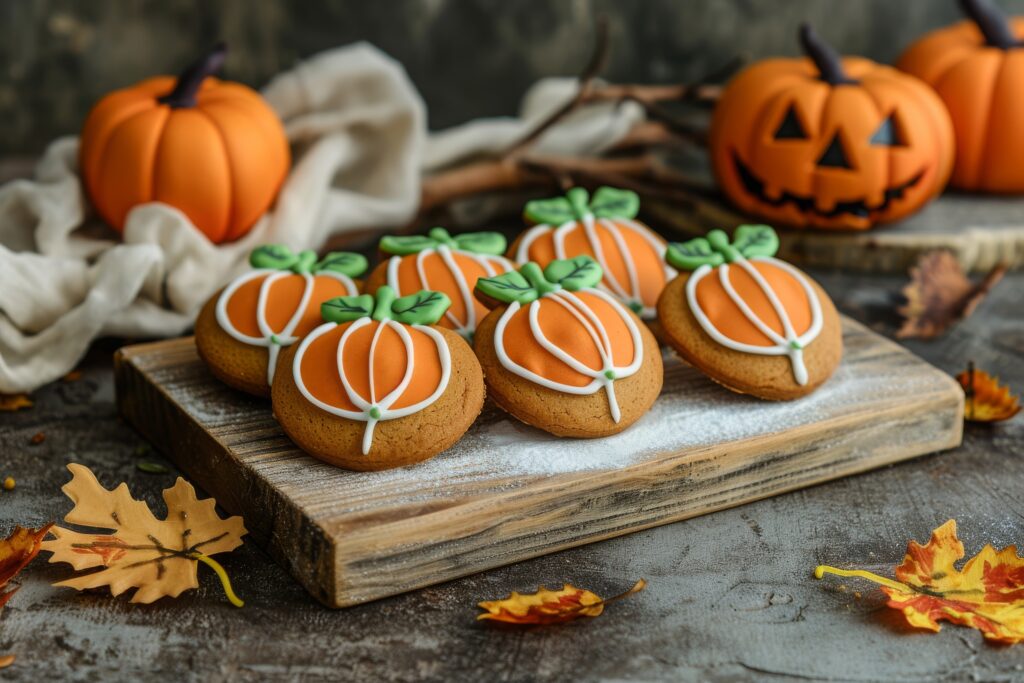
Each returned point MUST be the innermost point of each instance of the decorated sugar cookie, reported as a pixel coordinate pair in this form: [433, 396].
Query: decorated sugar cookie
[443, 263]
[243, 328]
[379, 384]
[631, 255]
[563, 355]
[750, 321]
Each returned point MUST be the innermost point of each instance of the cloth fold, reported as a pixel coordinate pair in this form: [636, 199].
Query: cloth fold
[357, 127]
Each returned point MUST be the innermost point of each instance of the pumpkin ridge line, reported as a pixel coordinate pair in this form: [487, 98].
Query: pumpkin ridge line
[229, 224]
[156, 157]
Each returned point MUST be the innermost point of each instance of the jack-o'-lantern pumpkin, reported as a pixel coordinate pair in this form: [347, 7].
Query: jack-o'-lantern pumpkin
[977, 68]
[270, 308]
[212, 149]
[441, 262]
[829, 142]
[631, 255]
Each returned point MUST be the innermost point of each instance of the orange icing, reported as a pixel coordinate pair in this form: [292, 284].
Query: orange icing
[441, 279]
[282, 301]
[565, 331]
[320, 372]
[726, 316]
[649, 263]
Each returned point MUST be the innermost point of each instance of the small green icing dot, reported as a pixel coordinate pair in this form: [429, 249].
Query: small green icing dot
[609, 374]
[275, 340]
[375, 412]
[796, 345]
[636, 307]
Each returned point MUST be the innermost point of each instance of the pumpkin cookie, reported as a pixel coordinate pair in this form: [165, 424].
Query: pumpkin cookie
[442, 263]
[242, 328]
[379, 385]
[631, 255]
[751, 322]
[562, 355]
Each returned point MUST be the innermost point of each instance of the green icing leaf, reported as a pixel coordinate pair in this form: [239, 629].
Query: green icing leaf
[422, 308]
[609, 202]
[574, 274]
[693, 254]
[403, 245]
[492, 243]
[755, 240]
[276, 256]
[551, 211]
[344, 262]
[343, 309]
[507, 287]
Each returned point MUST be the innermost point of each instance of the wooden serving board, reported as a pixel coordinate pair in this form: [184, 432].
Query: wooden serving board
[507, 492]
[982, 231]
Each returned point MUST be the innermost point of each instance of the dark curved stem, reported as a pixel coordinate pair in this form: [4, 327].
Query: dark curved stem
[991, 22]
[184, 93]
[828, 61]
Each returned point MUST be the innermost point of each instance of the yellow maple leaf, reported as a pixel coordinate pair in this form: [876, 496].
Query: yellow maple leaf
[986, 400]
[987, 594]
[550, 607]
[158, 557]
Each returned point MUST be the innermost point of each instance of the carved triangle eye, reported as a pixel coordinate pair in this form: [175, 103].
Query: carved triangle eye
[834, 155]
[791, 128]
[888, 134]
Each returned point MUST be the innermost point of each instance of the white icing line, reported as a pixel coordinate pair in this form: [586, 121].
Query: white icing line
[271, 340]
[783, 346]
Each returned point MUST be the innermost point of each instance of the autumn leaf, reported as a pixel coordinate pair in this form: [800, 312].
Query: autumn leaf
[986, 399]
[6, 661]
[939, 295]
[12, 402]
[550, 607]
[158, 557]
[987, 594]
[16, 551]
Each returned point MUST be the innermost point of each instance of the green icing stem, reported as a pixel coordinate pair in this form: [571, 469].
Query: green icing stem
[382, 307]
[441, 236]
[578, 198]
[307, 259]
[720, 242]
[535, 276]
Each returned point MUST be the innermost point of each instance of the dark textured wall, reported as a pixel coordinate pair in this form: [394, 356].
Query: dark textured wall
[468, 57]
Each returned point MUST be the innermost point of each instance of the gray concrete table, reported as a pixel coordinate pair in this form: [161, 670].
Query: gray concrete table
[731, 596]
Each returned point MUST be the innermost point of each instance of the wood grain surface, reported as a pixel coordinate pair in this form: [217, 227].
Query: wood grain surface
[508, 492]
[981, 231]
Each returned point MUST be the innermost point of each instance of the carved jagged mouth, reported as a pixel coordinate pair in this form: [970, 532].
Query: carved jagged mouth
[856, 207]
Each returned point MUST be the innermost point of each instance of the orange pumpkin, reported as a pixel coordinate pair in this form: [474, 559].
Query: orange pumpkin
[212, 149]
[977, 68]
[630, 254]
[828, 142]
[375, 358]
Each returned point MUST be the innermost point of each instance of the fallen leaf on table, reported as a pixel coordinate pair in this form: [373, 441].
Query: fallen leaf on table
[987, 594]
[550, 607]
[72, 376]
[11, 402]
[16, 551]
[986, 400]
[939, 295]
[6, 661]
[158, 557]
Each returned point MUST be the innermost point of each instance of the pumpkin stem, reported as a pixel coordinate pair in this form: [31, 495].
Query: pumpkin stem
[184, 93]
[441, 236]
[991, 22]
[826, 59]
[535, 276]
[382, 309]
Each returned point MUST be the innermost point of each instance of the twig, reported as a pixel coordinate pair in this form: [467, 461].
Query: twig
[594, 66]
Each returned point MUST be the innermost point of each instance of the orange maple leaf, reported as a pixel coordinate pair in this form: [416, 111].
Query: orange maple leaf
[16, 551]
[986, 399]
[987, 594]
[550, 607]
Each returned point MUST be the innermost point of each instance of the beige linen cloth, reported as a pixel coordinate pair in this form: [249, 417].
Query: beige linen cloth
[357, 128]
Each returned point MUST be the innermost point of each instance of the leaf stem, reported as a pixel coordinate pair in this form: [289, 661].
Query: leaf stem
[823, 569]
[222, 575]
